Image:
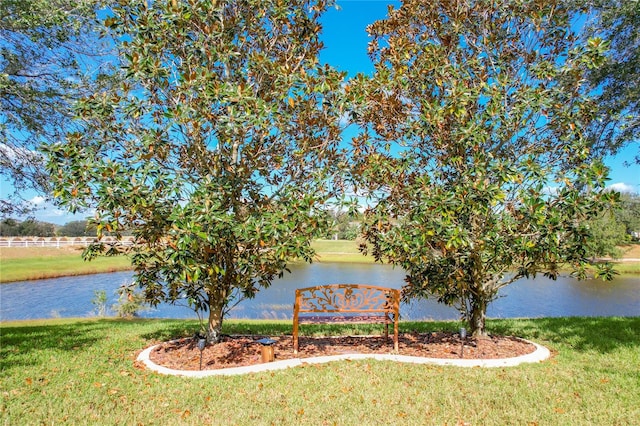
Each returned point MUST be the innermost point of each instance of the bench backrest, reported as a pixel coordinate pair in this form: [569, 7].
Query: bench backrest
[348, 298]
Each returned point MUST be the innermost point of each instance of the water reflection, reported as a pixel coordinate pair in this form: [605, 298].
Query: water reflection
[71, 296]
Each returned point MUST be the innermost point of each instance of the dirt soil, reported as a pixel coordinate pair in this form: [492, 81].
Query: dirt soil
[236, 351]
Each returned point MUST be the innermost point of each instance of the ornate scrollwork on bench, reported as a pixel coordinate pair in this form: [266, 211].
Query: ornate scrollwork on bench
[361, 303]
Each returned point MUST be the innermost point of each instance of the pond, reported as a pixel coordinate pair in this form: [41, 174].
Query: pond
[71, 296]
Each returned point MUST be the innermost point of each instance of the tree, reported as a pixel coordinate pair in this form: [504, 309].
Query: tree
[218, 150]
[34, 228]
[28, 228]
[608, 235]
[628, 213]
[77, 228]
[9, 227]
[473, 152]
[615, 228]
[49, 57]
[345, 226]
[618, 99]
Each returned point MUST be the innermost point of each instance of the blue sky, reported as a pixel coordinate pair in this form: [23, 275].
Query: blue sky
[346, 42]
[345, 36]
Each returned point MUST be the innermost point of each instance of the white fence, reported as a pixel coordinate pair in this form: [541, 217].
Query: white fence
[56, 241]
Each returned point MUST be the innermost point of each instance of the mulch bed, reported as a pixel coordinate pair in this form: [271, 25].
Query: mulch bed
[237, 351]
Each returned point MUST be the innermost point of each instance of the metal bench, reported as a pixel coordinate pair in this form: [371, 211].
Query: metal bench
[346, 303]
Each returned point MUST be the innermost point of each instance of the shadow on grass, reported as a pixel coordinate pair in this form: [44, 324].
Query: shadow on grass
[601, 334]
[22, 344]
[25, 345]
[172, 329]
[26, 341]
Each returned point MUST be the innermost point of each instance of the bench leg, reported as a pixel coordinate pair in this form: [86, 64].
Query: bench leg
[295, 334]
[395, 335]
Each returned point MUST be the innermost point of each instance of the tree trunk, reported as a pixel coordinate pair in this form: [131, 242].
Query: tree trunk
[215, 320]
[478, 316]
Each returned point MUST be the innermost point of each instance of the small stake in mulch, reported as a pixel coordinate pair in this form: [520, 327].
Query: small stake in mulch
[202, 342]
[267, 349]
[463, 336]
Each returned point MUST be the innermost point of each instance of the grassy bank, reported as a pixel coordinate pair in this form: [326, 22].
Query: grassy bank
[628, 268]
[21, 264]
[340, 251]
[82, 372]
[347, 251]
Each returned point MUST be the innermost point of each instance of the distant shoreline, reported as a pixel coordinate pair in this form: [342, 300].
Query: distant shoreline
[36, 263]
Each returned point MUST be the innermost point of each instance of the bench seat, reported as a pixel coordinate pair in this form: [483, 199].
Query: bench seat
[346, 304]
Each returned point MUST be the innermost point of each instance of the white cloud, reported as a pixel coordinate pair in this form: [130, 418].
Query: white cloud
[46, 211]
[58, 216]
[622, 187]
[37, 200]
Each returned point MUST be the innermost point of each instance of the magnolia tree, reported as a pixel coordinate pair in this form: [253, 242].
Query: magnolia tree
[616, 82]
[218, 151]
[50, 56]
[472, 151]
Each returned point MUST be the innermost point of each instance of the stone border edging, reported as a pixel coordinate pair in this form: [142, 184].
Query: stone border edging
[540, 354]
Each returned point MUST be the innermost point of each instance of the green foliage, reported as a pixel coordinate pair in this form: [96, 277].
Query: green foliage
[27, 228]
[10, 227]
[618, 99]
[100, 302]
[607, 234]
[217, 151]
[473, 150]
[628, 214]
[130, 302]
[345, 226]
[77, 228]
[50, 57]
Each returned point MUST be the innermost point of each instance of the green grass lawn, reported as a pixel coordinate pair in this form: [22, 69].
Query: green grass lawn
[64, 264]
[628, 268]
[20, 264]
[340, 251]
[80, 371]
